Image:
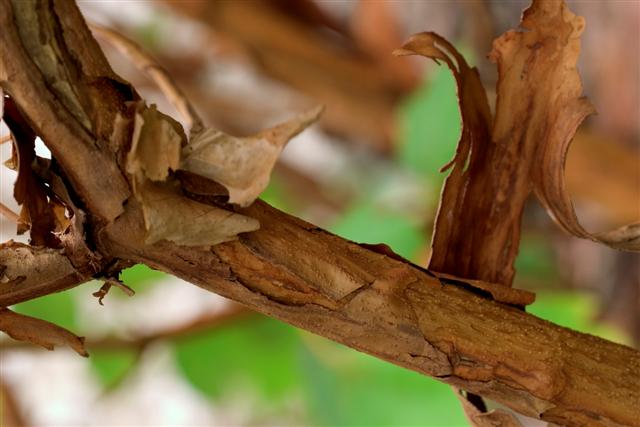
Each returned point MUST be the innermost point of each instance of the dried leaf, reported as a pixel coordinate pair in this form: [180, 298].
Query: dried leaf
[479, 417]
[39, 332]
[473, 204]
[38, 212]
[500, 161]
[156, 143]
[242, 165]
[538, 63]
[170, 216]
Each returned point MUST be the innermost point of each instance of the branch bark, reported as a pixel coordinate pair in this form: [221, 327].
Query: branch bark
[370, 300]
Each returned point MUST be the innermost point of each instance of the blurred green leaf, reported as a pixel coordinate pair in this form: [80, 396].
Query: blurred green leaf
[139, 278]
[275, 195]
[112, 366]
[259, 352]
[575, 310]
[535, 258]
[365, 391]
[430, 125]
[58, 308]
[369, 222]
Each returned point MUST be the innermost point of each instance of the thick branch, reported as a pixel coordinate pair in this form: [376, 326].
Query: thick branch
[27, 272]
[309, 278]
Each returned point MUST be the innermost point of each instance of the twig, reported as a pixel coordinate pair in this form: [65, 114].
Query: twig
[5, 139]
[205, 322]
[8, 213]
[145, 63]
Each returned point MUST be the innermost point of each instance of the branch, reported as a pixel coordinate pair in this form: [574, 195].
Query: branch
[403, 314]
[27, 272]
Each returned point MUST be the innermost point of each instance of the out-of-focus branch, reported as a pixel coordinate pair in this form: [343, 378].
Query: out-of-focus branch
[8, 213]
[358, 92]
[10, 413]
[148, 65]
[205, 322]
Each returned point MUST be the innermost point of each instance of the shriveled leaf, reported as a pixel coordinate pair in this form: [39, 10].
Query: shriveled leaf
[156, 143]
[480, 417]
[471, 195]
[38, 213]
[242, 165]
[500, 161]
[170, 216]
[39, 332]
[538, 63]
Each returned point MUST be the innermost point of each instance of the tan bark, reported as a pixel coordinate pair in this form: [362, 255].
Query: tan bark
[367, 299]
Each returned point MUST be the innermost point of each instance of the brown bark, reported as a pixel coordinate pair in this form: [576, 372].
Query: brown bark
[372, 301]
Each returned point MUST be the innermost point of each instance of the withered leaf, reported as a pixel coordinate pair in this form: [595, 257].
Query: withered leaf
[242, 165]
[538, 63]
[38, 213]
[156, 143]
[170, 216]
[483, 418]
[473, 205]
[500, 161]
[39, 332]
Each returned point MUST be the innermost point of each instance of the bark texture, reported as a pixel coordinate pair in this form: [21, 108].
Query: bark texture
[364, 297]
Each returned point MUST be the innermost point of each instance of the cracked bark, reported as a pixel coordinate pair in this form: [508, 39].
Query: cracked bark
[294, 271]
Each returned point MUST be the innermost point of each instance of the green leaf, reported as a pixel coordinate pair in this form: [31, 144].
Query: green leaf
[139, 278]
[364, 391]
[259, 353]
[575, 310]
[112, 366]
[430, 125]
[58, 308]
[369, 222]
[535, 258]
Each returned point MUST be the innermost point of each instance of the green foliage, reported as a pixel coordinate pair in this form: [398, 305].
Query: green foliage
[360, 390]
[371, 222]
[58, 308]
[430, 126]
[575, 310]
[139, 278]
[112, 366]
[535, 258]
[260, 353]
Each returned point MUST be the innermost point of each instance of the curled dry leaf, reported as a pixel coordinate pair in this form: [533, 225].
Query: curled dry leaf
[39, 332]
[242, 165]
[500, 161]
[168, 215]
[155, 144]
[538, 63]
[40, 214]
[171, 216]
[480, 417]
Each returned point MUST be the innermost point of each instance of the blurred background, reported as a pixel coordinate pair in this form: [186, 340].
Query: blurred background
[368, 171]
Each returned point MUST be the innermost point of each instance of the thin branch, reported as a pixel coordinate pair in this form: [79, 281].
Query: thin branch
[145, 63]
[205, 322]
[8, 213]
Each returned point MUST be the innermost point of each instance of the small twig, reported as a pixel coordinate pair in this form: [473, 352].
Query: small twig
[8, 213]
[207, 321]
[5, 139]
[145, 63]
